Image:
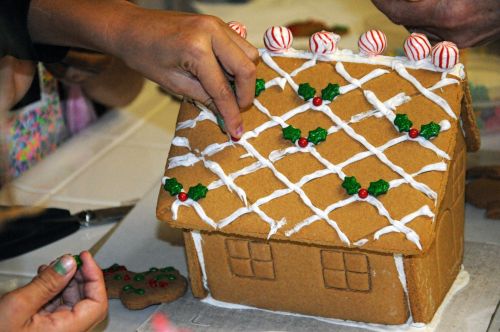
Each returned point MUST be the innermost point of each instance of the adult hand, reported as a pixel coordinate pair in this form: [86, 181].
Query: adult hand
[15, 79]
[59, 298]
[191, 55]
[465, 22]
[195, 56]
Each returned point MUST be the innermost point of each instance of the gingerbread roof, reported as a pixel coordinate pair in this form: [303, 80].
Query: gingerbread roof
[269, 187]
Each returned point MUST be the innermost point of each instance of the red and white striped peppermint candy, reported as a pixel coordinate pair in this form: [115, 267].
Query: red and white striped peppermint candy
[278, 39]
[445, 55]
[324, 42]
[417, 47]
[372, 42]
[240, 28]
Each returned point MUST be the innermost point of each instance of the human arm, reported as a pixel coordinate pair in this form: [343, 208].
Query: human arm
[188, 54]
[465, 22]
[103, 78]
[59, 298]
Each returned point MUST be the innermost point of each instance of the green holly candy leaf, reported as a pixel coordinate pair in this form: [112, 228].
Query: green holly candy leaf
[379, 187]
[402, 122]
[306, 91]
[430, 130]
[351, 185]
[172, 186]
[317, 135]
[331, 91]
[260, 85]
[197, 192]
[291, 133]
[78, 261]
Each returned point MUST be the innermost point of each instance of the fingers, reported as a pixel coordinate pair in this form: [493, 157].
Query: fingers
[233, 58]
[413, 13]
[94, 288]
[46, 285]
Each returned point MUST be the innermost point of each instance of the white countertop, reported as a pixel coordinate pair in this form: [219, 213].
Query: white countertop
[121, 159]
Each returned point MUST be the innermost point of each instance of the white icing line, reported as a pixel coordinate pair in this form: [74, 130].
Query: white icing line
[355, 83]
[346, 55]
[197, 239]
[427, 93]
[205, 114]
[398, 261]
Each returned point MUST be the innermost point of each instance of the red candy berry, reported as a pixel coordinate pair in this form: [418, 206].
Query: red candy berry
[413, 133]
[317, 101]
[182, 196]
[363, 193]
[303, 142]
[126, 277]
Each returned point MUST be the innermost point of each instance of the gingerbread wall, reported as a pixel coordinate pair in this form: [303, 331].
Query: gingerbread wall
[431, 275]
[306, 279]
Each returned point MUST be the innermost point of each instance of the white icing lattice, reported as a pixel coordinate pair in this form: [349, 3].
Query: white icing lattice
[381, 110]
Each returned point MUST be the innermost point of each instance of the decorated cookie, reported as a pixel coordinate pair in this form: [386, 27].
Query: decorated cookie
[239, 28]
[372, 42]
[323, 42]
[278, 39]
[140, 290]
[417, 47]
[445, 55]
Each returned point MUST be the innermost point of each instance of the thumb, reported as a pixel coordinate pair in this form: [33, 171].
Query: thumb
[49, 283]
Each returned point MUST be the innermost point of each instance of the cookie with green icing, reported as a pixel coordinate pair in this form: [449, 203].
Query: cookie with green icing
[138, 290]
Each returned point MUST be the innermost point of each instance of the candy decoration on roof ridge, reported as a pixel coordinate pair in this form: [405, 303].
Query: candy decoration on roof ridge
[417, 46]
[372, 42]
[239, 28]
[278, 39]
[323, 42]
[445, 55]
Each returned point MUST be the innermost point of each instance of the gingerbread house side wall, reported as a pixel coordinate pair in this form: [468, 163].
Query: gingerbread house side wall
[312, 280]
[431, 275]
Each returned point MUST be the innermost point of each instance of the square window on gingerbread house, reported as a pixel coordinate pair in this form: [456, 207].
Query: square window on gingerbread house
[250, 259]
[346, 271]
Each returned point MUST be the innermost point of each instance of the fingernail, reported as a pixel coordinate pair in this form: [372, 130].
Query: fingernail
[220, 122]
[234, 139]
[64, 264]
[239, 131]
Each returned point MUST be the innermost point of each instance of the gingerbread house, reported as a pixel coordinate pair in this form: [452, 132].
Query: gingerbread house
[345, 196]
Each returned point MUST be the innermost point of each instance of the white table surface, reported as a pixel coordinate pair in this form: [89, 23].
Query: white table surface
[121, 159]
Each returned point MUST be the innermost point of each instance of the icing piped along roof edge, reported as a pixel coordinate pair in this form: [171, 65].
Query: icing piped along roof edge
[346, 55]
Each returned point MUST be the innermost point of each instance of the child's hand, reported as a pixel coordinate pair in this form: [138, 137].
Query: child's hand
[15, 79]
[59, 298]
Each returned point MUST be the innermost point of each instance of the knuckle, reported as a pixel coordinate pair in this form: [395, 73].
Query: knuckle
[248, 70]
[208, 22]
[224, 92]
[253, 54]
[46, 284]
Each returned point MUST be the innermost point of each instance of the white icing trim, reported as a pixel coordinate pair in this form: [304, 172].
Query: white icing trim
[346, 55]
[197, 240]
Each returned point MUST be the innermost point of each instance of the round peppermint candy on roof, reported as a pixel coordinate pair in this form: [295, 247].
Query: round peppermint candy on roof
[417, 47]
[372, 42]
[445, 55]
[278, 39]
[239, 28]
[324, 42]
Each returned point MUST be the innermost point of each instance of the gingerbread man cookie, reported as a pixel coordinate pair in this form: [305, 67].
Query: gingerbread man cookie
[483, 191]
[140, 290]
